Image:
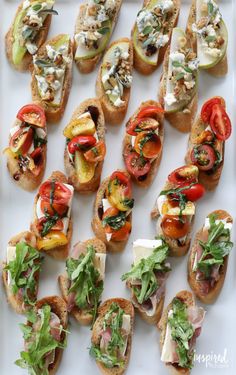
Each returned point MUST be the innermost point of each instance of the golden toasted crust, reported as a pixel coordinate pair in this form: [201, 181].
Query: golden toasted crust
[60, 252]
[210, 297]
[54, 114]
[82, 316]
[139, 64]
[114, 115]
[88, 65]
[93, 184]
[156, 163]
[96, 332]
[9, 39]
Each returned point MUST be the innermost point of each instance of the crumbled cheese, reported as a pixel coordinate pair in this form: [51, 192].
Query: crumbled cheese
[177, 56]
[193, 64]
[43, 85]
[32, 48]
[165, 5]
[170, 99]
[162, 40]
[119, 102]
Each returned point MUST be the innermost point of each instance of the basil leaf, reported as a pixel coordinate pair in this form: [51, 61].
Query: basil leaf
[128, 202]
[115, 222]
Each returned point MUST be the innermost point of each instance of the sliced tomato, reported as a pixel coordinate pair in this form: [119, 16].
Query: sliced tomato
[56, 192]
[36, 155]
[207, 108]
[53, 208]
[33, 115]
[141, 124]
[122, 233]
[22, 140]
[81, 143]
[194, 192]
[203, 157]
[51, 240]
[220, 122]
[136, 165]
[148, 144]
[96, 153]
[184, 174]
[57, 227]
[175, 227]
[119, 190]
[149, 111]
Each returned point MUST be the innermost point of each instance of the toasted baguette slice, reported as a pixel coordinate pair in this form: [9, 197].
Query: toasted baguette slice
[54, 113]
[98, 117]
[194, 284]
[98, 229]
[114, 115]
[60, 252]
[141, 65]
[97, 328]
[87, 65]
[15, 300]
[127, 146]
[82, 316]
[40, 39]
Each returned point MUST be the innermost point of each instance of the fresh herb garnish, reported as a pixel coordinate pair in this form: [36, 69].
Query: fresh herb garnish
[104, 30]
[115, 222]
[177, 194]
[38, 142]
[128, 203]
[147, 30]
[144, 140]
[49, 223]
[43, 63]
[177, 64]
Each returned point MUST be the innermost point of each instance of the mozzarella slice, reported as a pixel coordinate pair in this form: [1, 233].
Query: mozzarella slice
[14, 130]
[106, 204]
[100, 263]
[143, 248]
[65, 221]
[126, 324]
[168, 346]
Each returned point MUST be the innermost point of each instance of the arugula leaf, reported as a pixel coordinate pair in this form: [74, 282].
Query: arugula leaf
[115, 222]
[108, 360]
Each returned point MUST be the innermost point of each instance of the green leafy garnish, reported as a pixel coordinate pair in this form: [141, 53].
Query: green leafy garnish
[144, 140]
[104, 30]
[128, 202]
[49, 223]
[147, 30]
[177, 64]
[115, 222]
[38, 142]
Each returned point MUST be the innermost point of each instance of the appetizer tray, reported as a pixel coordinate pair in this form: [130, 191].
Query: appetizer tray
[216, 345]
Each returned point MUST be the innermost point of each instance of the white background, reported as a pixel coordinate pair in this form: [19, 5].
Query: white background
[219, 327]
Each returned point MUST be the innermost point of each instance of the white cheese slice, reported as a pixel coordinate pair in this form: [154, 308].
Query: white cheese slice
[226, 225]
[169, 210]
[106, 204]
[65, 221]
[39, 212]
[126, 324]
[70, 187]
[133, 140]
[14, 130]
[100, 263]
[143, 248]
[108, 236]
[168, 346]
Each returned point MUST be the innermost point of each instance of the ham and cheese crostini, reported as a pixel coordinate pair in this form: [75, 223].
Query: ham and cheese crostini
[21, 271]
[112, 215]
[82, 284]
[112, 336]
[175, 208]
[208, 259]
[147, 278]
[206, 145]
[143, 142]
[44, 337]
[85, 146]
[26, 154]
[180, 326]
[52, 222]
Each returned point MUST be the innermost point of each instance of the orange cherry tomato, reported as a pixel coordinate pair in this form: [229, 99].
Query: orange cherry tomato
[148, 144]
[123, 233]
[53, 208]
[175, 227]
[57, 227]
[96, 153]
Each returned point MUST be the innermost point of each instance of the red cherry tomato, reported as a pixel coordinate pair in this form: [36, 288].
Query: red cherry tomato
[183, 174]
[36, 155]
[136, 165]
[53, 208]
[58, 226]
[96, 153]
[207, 108]
[220, 123]
[149, 144]
[81, 142]
[174, 227]
[150, 111]
[56, 192]
[194, 192]
[203, 157]
[33, 115]
[21, 140]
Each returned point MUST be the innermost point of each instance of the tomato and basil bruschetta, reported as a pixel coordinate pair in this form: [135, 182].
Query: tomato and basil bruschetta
[82, 284]
[208, 259]
[206, 145]
[21, 271]
[152, 32]
[27, 150]
[209, 36]
[28, 31]
[115, 79]
[44, 337]
[175, 208]
[143, 143]
[52, 76]
[112, 217]
[180, 326]
[112, 336]
[93, 29]
[85, 146]
[147, 278]
[178, 86]
[52, 222]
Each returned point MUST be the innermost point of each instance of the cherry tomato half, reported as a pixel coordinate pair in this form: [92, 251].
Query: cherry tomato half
[96, 153]
[81, 142]
[203, 157]
[33, 115]
[194, 192]
[184, 174]
[119, 190]
[150, 111]
[207, 108]
[220, 123]
[55, 191]
[53, 208]
[58, 226]
[148, 144]
[121, 234]
[21, 140]
[136, 165]
[174, 227]
[141, 124]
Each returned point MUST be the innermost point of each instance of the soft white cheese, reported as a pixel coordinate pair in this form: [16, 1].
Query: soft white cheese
[170, 99]
[65, 221]
[165, 5]
[100, 263]
[41, 133]
[39, 212]
[168, 346]
[226, 225]
[118, 102]
[108, 236]
[177, 56]
[14, 130]
[143, 248]
[126, 324]
[31, 47]
[106, 204]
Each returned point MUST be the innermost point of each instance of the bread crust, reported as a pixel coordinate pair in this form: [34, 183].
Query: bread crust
[127, 306]
[93, 184]
[139, 64]
[156, 163]
[210, 297]
[86, 66]
[82, 316]
[54, 114]
[60, 252]
[114, 115]
[40, 39]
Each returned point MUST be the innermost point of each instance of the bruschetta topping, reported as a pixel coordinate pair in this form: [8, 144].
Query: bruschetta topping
[148, 274]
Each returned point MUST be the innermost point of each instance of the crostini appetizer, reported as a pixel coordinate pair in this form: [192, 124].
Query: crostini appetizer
[115, 79]
[112, 216]
[209, 36]
[85, 146]
[208, 259]
[112, 336]
[52, 222]
[52, 76]
[21, 271]
[28, 31]
[178, 86]
[175, 208]
[44, 337]
[82, 285]
[27, 151]
[143, 143]
[147, 278]
[180, 326]
[93, 29]
[152, 32]
[206, 146]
